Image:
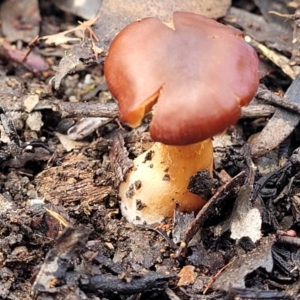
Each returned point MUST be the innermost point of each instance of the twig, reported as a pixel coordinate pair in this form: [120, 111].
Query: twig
[258, 111]
[268, 97]
[207, 211]
[91, 109]
[295, 241]
[213, 278]
[281, 61]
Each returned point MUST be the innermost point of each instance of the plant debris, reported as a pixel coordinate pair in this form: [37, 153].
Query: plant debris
[233, 276]
[64, 152]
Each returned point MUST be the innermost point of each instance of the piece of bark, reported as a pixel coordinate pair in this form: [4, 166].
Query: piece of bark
[233, 276]
[120, 163]
[110, 284]
[78, 178]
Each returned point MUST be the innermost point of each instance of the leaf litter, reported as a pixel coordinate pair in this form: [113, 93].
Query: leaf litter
[99, 255]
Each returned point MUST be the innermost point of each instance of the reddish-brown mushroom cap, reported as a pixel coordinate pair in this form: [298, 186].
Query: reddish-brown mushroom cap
[199, 74]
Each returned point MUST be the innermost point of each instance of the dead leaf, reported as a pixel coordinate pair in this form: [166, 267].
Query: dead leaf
[85, 127]
[70, 144]
[233, 277]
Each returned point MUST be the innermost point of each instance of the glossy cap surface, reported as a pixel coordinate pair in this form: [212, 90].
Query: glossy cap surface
[199, 73]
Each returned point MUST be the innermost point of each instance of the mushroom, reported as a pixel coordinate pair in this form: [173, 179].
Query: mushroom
[198, 73]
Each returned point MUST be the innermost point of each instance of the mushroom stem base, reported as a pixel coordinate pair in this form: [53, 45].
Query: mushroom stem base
[159, 180]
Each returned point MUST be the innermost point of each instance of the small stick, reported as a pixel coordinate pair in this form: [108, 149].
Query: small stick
[213, 278]
[268, 97]
[82, 109]
[258, 111]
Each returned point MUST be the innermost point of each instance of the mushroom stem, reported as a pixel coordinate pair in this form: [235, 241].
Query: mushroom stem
[159, 180]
